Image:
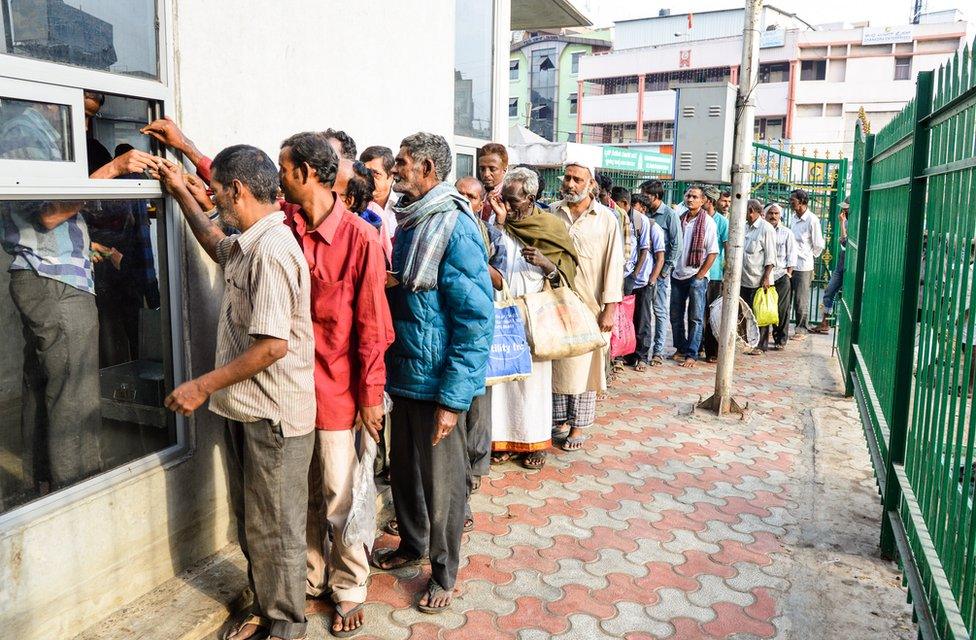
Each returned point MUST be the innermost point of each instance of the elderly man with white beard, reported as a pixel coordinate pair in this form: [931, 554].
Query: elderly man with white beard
[599, 282]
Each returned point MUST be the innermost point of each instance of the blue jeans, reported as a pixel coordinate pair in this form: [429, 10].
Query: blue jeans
[688, 294]
[834, 285]
[662, 306]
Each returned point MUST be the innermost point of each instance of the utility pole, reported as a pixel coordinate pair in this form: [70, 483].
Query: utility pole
[722, 402]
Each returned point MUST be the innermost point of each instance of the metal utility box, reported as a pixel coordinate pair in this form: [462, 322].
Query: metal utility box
[704, 130]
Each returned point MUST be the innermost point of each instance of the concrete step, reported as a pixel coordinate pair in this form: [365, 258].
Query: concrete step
[195, 604]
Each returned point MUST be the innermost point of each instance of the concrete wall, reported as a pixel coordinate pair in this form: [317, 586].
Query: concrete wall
[267, 76]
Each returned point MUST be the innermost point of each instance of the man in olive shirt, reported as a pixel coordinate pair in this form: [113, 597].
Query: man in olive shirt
[263, 381]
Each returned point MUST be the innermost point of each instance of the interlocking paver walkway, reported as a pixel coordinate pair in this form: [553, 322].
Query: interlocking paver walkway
[673, 524]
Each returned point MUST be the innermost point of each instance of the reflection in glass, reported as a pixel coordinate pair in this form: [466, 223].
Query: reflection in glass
[542, 93]
[84, 366]
[107, 35]
[35, 131]
[473, 34]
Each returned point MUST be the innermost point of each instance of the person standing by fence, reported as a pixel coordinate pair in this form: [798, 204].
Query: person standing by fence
[782, 272]
[836, 276]
[809, 245]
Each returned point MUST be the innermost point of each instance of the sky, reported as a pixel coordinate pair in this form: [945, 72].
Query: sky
[879, 12]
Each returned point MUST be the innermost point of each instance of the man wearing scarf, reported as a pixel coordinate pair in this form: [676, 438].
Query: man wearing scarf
[443, 317]
[540, 251]
[599, 281]
[689, 280]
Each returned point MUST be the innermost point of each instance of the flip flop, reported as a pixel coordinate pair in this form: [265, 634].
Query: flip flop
[568, 443]
[344, 616]
[657, 361]
[468, 525]
[559, 435]
[381, 556]
[640, 367]
[434, 589]
[535, 460]
[392, 527]
[250, 619]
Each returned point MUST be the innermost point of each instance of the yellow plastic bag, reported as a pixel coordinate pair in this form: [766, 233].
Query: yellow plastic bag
[765, 306]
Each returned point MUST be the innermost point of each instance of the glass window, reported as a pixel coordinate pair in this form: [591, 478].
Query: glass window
[774, 72]
[903, 68]
[107, 35]
[813, 70]
[769, 128]
[465, 165]
[542, 85]
[69, 414]
[513, 107]
[574, 62]
[573, 103]
[833, 109]
[473, 46]
[31, 130]
[513, 69]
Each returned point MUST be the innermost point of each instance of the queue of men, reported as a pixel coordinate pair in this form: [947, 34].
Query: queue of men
[349, 281]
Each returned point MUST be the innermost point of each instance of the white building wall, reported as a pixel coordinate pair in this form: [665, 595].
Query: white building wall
[268, 76]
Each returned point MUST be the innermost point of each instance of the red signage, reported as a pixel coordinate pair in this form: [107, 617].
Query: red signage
[684, 58]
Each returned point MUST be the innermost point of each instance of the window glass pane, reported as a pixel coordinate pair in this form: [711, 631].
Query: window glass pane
[35, 131]
[513, 69]
[542, 97]
[575, 58]
[91, 282]
[513, 107]
[473, 37]
[903, 68]
[465, 165]
[107, 35]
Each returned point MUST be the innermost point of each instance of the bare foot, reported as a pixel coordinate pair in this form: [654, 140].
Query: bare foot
[436, 598]
[689, 363]
[354, 619]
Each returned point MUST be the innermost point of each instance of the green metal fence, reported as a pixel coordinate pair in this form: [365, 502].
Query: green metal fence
[905, 337]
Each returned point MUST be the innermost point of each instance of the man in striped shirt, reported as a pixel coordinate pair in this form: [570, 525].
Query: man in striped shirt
[263, 381]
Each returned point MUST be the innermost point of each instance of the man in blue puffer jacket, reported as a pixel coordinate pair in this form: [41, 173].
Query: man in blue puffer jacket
[443, 314]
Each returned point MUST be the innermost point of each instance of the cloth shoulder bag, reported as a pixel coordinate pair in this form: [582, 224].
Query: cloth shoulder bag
[560, 325]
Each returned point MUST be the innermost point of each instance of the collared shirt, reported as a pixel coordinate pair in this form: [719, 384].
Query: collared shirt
[809, 240]
[626, 229]
[61, 253]
[759, 250]
[682, 271]
[388, 215]
[266, 293]
[350, 315]
[785, 251]
[640, 228]
[596, 236]
[670, 223]
[722, 231]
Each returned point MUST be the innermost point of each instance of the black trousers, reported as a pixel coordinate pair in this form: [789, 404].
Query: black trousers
[784, 288]
[429, 486]
[478, 423]
[709, 340]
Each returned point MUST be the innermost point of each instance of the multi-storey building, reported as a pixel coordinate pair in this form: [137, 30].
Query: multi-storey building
[543, 70]
[813, 80]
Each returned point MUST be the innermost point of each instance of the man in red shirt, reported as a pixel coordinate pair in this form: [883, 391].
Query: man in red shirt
[352, 326]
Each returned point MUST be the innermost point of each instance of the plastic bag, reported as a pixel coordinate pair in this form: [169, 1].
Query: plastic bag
[766, 306]
[361, 521]
[623, 339]
[748, 330]
[509, 358]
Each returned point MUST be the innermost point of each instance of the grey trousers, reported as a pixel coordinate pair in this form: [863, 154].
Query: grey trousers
[429, 486]
[60, 405]
[801, 298]
[478, 423]
[268, 477]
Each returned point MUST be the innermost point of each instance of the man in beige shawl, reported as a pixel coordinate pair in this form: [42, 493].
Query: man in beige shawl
[599, 282]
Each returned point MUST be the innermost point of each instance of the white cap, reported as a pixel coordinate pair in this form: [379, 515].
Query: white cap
[582, 166]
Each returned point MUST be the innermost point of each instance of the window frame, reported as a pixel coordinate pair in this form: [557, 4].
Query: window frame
[574, 60]
[817, 65]
[513, 66]
[51, 78]
[573, 103]
[908, 67]
[513, 102]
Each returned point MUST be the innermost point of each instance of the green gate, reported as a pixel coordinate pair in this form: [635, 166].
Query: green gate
[906, 338]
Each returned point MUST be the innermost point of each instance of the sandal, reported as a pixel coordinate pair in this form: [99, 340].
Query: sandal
[640, 367]
[468, 525]
[433, 590]
[574, 443]
[501, 458]
[344, 616]
[535, 460]
[252, 620]
[379, 557]
[657, 361]
[559, 435]
[392, 527]
[755, 352]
